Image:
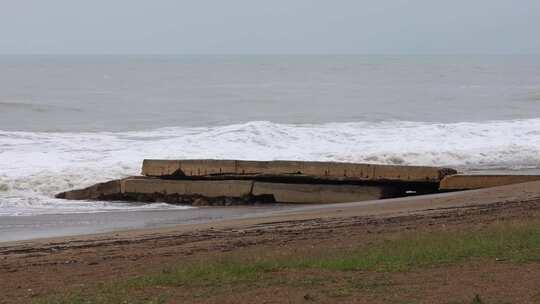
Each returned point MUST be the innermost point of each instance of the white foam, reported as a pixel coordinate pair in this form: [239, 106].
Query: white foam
[35, 166]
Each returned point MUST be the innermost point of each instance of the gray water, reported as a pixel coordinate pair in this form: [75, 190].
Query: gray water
[126, 93]
[70, 121]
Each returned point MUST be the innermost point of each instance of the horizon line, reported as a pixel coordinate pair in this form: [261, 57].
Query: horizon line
[273, 54]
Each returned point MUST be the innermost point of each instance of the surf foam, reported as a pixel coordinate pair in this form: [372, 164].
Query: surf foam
[34, 166]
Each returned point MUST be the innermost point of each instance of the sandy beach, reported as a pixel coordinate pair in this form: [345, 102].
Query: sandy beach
[33, 269]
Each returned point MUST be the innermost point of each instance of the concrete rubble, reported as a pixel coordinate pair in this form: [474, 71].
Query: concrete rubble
[236, 182]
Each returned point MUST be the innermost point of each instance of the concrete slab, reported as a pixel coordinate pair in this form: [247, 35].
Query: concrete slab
[98, 191]
[477, 181]
[237, 191]
[227, 188]
[318, 194]
[323, 170]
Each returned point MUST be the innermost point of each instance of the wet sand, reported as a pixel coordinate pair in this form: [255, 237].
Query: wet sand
[147, 224]
[17, 228]
[21, 228]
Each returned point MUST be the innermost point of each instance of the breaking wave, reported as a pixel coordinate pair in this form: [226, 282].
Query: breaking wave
[34, 166]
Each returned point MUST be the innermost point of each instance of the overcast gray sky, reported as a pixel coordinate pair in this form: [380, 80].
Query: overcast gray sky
[269, 26]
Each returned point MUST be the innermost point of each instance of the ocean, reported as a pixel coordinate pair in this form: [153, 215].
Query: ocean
[70, 121]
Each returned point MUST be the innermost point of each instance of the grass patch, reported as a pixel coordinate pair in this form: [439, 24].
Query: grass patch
[516, 243]
[512, 243]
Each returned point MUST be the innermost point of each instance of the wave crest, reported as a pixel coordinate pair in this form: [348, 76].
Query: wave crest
[37, 165]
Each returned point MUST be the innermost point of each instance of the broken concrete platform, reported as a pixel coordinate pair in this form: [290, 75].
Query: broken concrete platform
[226, 192]
[226, 182]
[103, 191]
[319, 194]
[478, 181]
[231, 182]
[230, 188]
[320, 170]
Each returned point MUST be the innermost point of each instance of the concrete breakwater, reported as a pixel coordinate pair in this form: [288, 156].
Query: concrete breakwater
[231, 182]
[226, 192]
[317, 170]
[234, 182]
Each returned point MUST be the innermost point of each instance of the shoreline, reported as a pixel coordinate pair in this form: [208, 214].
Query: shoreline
[208, 217]
[46, 226]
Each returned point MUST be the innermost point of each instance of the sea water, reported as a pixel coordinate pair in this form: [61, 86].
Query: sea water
[70, 121]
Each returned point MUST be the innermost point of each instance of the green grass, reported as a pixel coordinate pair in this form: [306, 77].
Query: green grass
[513, 243]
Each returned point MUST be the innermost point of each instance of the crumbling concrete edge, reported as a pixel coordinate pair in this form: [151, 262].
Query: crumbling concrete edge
[229, 192]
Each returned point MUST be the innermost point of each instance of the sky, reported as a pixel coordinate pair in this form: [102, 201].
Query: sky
[269, 27]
